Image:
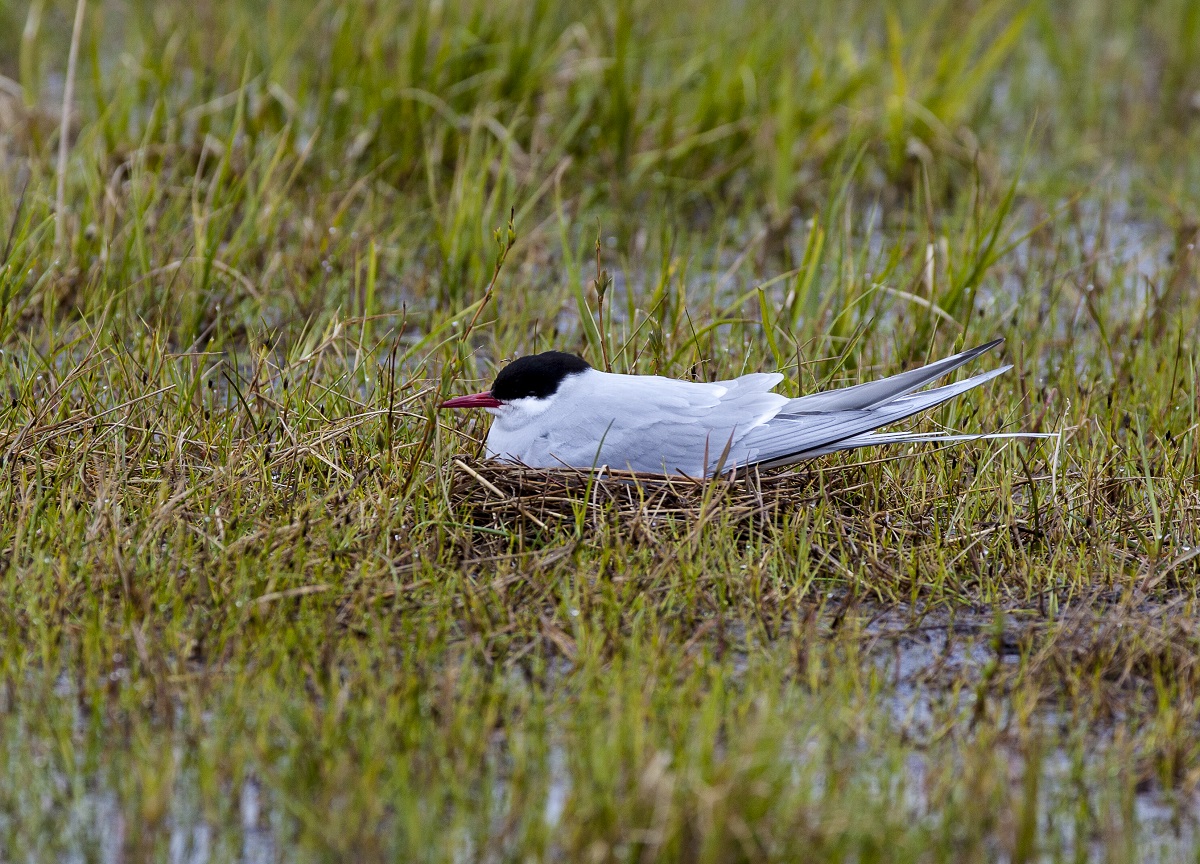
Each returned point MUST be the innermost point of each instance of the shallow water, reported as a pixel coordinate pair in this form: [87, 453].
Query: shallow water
[913, 660]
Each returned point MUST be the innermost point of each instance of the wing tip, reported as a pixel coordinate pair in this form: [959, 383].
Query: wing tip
[984, 348]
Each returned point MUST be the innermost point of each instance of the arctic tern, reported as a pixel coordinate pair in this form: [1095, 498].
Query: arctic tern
[553, 410]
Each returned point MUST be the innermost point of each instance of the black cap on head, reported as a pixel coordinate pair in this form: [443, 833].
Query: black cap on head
[537, 375]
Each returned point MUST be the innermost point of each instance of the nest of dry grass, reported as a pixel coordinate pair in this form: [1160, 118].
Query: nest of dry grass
[503, 496]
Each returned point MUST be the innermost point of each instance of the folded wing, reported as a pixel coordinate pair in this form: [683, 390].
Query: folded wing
[842, 419]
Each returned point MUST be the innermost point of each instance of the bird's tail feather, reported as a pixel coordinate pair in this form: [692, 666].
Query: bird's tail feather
[875, 439]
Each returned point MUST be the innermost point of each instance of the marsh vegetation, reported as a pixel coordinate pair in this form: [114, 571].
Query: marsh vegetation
[259, 601]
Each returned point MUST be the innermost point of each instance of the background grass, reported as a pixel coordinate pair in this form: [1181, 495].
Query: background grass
[251, 609]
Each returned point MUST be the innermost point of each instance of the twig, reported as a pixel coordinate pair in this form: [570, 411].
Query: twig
[506, 243]
[488, 486]
[302, 591]
[601, 284]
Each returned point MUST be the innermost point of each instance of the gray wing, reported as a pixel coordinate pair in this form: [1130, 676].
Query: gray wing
[886, 389]
[837, 420]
